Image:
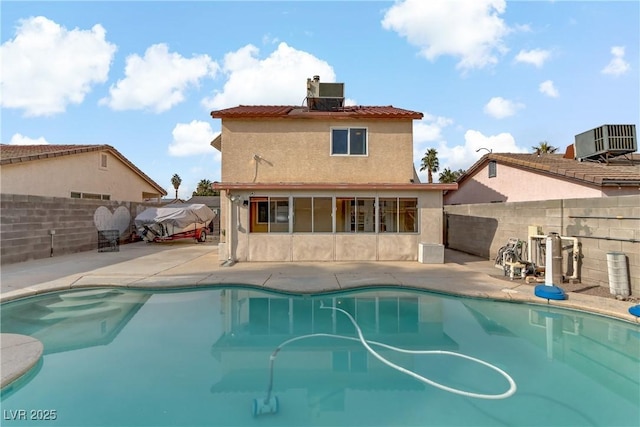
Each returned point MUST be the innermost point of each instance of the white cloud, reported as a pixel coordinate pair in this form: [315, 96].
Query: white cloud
[471, 30]
[279, 79]
[547, 87]
[426, 132]
[191, 139]
[463, 156]
[617, 66]
[46, 67]
[19, 139]
[535, 57]
[158, 80]
[500, 108]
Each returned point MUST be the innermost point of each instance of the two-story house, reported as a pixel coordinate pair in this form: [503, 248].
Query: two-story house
[324, 182]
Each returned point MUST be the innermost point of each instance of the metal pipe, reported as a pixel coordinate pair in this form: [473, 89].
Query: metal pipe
[609, 238]
[605, 217]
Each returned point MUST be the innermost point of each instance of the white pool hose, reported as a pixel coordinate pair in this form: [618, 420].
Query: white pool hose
[367, 344]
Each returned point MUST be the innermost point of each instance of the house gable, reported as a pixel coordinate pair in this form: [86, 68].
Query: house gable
[528, 177]
[83, 171]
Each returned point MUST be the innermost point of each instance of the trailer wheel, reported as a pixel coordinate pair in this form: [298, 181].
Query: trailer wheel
[203, 236]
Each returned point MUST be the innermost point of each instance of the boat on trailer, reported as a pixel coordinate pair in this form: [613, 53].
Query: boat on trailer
[176, 221]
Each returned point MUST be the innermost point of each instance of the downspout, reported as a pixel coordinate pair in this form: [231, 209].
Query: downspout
[229, 262]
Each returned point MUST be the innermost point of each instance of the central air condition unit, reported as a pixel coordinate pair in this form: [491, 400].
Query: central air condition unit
[324, 96]
[605, 142]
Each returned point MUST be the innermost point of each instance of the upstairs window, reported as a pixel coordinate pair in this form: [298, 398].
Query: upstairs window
[349, 142]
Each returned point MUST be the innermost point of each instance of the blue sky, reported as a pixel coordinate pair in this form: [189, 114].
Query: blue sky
[144, 76]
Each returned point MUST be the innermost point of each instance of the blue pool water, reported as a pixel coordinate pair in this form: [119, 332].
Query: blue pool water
[202, 358]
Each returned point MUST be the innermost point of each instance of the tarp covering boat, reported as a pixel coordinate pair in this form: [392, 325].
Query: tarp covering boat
[179, 220]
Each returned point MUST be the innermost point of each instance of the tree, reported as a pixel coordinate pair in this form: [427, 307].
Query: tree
[544, 148]
[204, 189]
[176, 181]
[430, 163]
[449, 176]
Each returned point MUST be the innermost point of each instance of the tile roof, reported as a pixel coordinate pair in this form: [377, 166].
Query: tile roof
[294, 112]
[11, 154]
[618, 171]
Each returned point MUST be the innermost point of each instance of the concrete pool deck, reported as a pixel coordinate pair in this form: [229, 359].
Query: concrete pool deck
[183, 264]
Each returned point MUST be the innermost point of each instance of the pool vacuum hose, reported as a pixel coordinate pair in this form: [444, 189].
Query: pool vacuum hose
[270, 405]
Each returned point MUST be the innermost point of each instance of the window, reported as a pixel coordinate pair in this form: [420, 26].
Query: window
[312, 214]
[349, 141]
[492, 169]
[317, 215]
[269, 214]
[407, 209]
[78, 195]
[398, 215]
[355, 214]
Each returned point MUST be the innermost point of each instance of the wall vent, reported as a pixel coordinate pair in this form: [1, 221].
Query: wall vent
[605, 142]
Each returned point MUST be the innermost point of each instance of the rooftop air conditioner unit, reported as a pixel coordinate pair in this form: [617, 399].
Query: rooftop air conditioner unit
[324, 96]
[605, 142]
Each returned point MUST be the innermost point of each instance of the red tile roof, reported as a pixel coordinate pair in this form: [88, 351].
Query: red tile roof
[292, 112]
[11, 154]
[619, 170]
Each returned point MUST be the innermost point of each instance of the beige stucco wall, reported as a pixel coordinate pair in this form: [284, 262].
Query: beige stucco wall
[517, 185]
[59, 176]
[247, 246]
[299, 151]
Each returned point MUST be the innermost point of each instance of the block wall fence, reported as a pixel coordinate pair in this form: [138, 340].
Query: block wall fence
[26, 224]
[602, 225]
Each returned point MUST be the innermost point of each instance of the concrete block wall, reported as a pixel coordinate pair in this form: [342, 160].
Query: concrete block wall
[26, 223]
[602, 225]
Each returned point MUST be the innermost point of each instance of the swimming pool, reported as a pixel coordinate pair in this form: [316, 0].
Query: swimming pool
[202, 357]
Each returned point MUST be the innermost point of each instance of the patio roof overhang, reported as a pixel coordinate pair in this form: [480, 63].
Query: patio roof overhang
[270, 186]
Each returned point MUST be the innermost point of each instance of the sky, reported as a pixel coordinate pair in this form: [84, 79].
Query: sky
[143, 77]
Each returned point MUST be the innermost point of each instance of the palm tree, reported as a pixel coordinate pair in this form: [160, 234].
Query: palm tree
[544, 148]
[449, 176]
[176, 181]
[204, 189]
[430, 163]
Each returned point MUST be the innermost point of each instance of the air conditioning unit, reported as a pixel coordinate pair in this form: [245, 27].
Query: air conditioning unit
[324, 96]
[605, 142]
[325, 90]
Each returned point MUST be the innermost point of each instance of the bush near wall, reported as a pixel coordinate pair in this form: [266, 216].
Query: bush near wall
[602, 225]
[26, 223]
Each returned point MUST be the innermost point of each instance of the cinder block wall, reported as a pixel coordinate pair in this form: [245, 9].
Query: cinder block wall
[26, 222]
[602, 225]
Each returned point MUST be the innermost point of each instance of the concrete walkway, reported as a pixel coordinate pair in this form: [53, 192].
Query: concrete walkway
[186, 264]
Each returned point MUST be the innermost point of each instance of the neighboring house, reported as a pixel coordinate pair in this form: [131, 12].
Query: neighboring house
[324, 182]
[75, 171]
[508, 177]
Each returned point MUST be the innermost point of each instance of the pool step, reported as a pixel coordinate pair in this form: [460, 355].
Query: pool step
[90, 294]
[41, 316]
[69, 305]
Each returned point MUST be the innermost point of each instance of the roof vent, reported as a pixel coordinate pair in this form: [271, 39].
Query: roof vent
[605, 142]
[324, 96]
